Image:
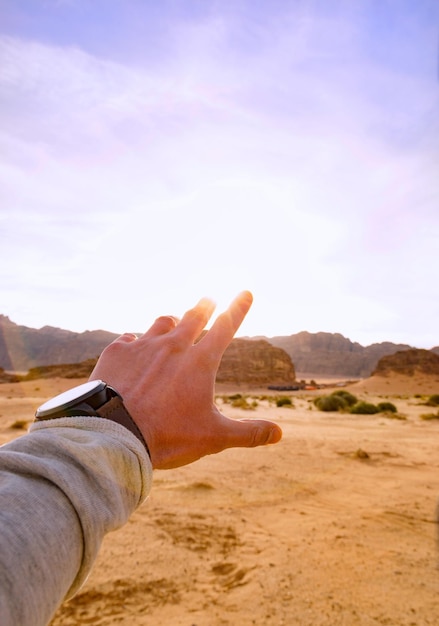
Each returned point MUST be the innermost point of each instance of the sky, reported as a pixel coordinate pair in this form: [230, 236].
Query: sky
[152, 153]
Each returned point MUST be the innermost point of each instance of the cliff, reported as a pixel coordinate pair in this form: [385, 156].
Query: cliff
[332, 354]
[318, 354]
[408, 363]
[22, 348]
[255, 363]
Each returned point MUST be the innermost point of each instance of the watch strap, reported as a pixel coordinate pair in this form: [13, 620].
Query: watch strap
[115, 410]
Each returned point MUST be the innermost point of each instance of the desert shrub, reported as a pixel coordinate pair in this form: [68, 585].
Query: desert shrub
[284, 401]
[433, 400]
[235, 396]
[430, 416]
[224, 399]
[396, 416]
[361, 454]
[364, 408]
[240, 402]
[386, 407]
[330, 403]
[348, 397]
[20, 424]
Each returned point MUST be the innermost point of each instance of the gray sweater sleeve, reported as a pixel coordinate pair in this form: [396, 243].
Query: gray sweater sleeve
[63, 486]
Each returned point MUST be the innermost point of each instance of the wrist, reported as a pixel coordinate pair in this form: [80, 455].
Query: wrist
[94, 398]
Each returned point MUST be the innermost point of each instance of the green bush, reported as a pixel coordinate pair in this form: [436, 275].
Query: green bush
[283, 401]
[330, 403]
[241, 402]
[235, 396]
[348, 397]
[386, 407]
[433, 400]
[20, 424]
[224, 399]
[364, 408]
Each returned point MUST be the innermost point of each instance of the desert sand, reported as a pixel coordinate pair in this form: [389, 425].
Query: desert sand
[335, 525]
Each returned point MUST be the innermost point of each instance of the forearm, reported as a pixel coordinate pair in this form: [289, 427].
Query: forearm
[62, 488]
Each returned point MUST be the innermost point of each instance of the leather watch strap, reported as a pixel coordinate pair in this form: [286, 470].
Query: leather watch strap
[115, 410]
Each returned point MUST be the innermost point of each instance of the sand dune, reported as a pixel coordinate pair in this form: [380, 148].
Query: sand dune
[308, 532]
[397, 384]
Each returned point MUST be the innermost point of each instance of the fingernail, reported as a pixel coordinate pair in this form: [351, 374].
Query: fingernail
[246, 298]
[274, 435]
[247, 295]
[206, 303]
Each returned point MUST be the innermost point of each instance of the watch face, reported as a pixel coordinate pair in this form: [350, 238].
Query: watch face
[70, 398]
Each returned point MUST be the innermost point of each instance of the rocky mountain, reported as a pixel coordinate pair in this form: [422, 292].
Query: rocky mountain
[22, 348]
[318, 354]
[332, 354]
[409, 363]
[255, 363]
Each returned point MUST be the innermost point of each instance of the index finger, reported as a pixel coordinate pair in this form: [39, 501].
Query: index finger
[225, 326]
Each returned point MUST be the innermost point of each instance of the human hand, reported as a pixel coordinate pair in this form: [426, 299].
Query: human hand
[167, 385]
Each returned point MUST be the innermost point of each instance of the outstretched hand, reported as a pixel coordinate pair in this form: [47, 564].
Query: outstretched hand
[167, 385]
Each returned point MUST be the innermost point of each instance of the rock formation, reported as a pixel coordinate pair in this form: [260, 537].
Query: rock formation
[332, 354]
[255, 363]
[408, 363]
[22, 348]
[315, 354]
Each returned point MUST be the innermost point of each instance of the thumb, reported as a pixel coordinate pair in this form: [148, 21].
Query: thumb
[251, 433]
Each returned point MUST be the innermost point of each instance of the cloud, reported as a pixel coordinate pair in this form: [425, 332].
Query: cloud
[270, 152]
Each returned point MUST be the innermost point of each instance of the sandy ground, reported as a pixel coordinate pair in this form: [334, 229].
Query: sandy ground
[307, 532]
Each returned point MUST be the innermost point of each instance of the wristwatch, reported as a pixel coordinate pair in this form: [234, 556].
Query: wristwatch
[95, 399]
